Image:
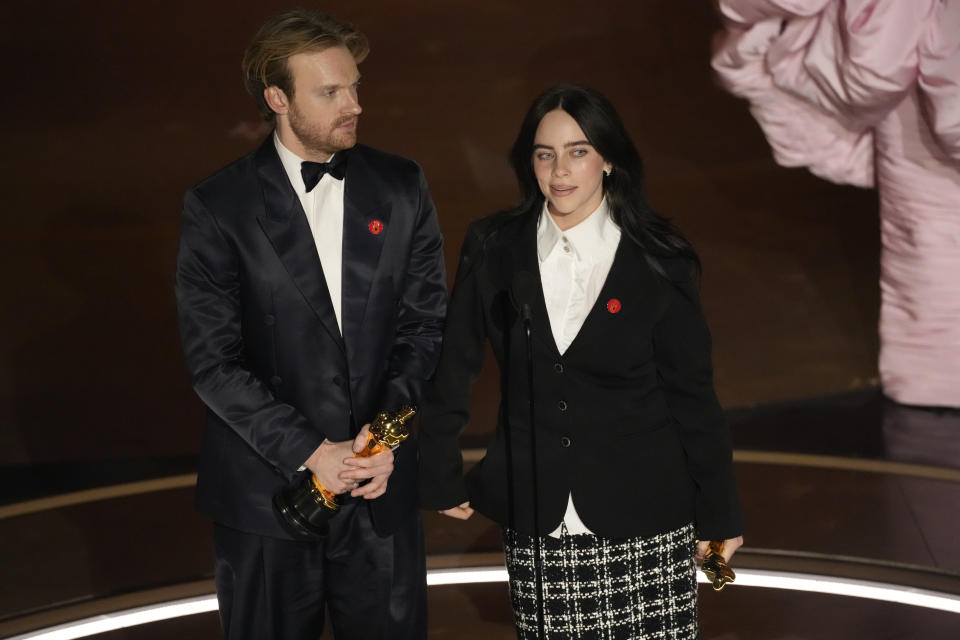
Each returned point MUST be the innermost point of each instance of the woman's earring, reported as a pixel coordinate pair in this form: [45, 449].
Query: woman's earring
[607, 172]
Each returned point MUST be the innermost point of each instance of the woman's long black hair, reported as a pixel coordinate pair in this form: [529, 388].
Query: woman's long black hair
[623, 188]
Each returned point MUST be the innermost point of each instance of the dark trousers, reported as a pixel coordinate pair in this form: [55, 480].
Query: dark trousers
[374, 587]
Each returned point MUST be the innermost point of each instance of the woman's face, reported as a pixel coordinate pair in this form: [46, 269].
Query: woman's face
[568, 169]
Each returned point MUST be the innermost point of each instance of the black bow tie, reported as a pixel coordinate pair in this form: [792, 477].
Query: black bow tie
[313, 171]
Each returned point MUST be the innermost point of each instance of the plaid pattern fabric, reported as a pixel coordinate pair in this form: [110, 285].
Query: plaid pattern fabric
[599, 588]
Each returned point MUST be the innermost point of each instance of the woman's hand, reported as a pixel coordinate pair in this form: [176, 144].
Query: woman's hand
[461, 512]
[730, 547]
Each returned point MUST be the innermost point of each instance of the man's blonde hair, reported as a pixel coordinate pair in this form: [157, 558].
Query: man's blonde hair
[287, 34]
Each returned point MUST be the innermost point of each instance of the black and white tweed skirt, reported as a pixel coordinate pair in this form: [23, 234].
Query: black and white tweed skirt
[601, 588]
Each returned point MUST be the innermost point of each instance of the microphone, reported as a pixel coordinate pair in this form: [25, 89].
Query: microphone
[523, 290]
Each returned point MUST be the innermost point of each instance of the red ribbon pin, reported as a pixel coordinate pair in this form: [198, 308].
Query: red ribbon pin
[375, 227]
[613, 305]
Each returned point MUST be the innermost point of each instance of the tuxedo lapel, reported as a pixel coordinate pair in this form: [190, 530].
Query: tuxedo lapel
[285, 224]
[366, 226]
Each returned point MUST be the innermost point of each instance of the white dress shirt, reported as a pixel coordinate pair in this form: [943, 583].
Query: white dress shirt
[324, 209]
[573, 267]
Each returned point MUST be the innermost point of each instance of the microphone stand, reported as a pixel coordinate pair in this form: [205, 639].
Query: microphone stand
[537, 556]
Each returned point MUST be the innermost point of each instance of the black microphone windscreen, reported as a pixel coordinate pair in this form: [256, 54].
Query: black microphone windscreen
[524, 290]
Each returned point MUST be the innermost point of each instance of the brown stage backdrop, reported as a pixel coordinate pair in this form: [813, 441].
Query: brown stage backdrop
[112, 109]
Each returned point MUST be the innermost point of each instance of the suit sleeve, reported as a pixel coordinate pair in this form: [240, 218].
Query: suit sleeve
[208, 305]
[446, 406]
[422, 307]
[682, 347]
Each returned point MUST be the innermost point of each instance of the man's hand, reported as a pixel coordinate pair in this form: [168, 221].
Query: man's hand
[327, 463]
[730, 547]
[461, 512]
[377, 468]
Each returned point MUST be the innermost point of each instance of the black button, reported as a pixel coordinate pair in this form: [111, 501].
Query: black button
[558, 368]
[276, 381]
[562, 405]
[565, 442]
[269, 320]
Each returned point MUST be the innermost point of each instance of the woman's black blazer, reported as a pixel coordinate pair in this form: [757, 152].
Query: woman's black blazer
[626, 419]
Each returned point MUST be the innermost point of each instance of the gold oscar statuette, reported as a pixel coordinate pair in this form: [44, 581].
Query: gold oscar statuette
[716, 568]
[307, 506]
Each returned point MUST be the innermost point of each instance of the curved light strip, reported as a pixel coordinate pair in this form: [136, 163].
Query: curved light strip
[466, 575]
[745, 578]
[123, 619]
[845, 587]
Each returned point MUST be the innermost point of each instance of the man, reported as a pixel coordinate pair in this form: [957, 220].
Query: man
[311, 297]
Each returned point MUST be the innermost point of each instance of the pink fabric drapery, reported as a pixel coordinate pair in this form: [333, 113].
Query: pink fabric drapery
[867, 92]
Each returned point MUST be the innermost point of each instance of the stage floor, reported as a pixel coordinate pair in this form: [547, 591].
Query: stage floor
[881, 505]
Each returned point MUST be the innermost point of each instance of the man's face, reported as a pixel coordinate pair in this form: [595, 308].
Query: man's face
[324, 111]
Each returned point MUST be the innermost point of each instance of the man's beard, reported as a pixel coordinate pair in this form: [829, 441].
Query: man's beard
[323, 142]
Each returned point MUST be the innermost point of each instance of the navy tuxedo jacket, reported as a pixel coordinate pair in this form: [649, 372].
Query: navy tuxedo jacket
[260, 337]
[626, 419]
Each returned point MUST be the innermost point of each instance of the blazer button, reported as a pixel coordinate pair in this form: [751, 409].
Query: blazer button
[565, 442]
[558, 367]
[562, 405]
[269, 320]
[276, 381]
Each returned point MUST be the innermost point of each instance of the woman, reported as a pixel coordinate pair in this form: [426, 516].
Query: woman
[627, 458]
